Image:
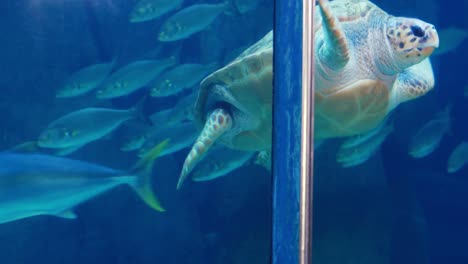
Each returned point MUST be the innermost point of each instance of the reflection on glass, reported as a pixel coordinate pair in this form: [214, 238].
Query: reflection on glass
[170, 98]
[388, 183]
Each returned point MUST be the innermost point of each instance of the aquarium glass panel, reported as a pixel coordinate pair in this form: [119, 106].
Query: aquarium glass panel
[136, 131]
[391, 149]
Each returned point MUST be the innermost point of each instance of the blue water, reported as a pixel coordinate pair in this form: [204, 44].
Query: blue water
[391, 209]
[227, 220]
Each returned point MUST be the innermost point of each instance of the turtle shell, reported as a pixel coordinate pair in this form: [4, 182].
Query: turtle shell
[247, 86]
[354, 100]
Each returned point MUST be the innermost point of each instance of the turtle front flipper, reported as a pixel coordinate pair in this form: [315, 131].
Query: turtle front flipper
[412, 83]
[334, 52]
[217, 124]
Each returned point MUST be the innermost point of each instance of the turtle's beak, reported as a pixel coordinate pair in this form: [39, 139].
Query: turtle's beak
[218, 122]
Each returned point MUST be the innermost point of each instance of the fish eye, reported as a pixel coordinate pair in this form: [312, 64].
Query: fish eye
[417, 31]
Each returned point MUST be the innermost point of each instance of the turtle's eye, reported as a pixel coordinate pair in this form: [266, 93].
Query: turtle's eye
[417, 31]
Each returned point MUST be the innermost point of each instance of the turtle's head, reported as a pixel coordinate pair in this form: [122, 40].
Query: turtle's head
[410, 40]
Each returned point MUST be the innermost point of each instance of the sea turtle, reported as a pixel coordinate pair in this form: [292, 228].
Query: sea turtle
[366, 63]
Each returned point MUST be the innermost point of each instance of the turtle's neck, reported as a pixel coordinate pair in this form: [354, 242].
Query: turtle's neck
[381, 49]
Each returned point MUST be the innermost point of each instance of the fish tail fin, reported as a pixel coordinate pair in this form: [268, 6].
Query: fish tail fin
[143, 169]
[138, 111]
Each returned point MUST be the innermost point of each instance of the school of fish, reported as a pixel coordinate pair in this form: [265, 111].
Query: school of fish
[34, 180]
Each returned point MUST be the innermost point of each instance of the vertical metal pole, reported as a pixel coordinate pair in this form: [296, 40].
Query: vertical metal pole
[286, 130]
[307, 134]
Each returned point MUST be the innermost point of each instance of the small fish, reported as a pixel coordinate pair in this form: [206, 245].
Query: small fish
[190, 20]
[466, 91]
[85, 125]
[450, 39]
[134, 133]
[359, 139]
[359, 151]
[428, 138]
[25, 147]
[180, 78]
[146, 10]
[133, 143]
[263, 158]
[161, 117]
[183, 110]
[244, 6]
[180, 135]
[133, 77]
[458, 158]
[219, 162]
[38, 184]
[67, 151]
[32, 147]
[85, 80]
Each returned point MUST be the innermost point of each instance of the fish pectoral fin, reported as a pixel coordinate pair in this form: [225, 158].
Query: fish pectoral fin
[67, 214]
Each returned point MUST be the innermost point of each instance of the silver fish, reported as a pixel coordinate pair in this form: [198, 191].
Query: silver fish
[180, 136]
[183, 110]
[450, 39]
[32, 147]
[428, 138]
[161, 117]
[180, 78]
[359, 139]
[146, 10]
[133, 143]
[465, 92]
[85, 80]
[263, 158]
[67, 151]
[190, 20]
[219, 162]
[355, 154]
[458, 158]
[133, 77]
[37, 184]
[83, 126]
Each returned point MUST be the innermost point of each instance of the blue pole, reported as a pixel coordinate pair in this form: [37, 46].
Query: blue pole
[287, 130]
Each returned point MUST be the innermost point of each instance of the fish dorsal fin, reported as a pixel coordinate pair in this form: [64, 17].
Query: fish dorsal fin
[334, 53]
[67, 214]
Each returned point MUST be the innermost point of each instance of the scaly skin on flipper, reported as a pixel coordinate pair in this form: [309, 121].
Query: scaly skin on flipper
[334, 53]
[413, 82]
[218, 122]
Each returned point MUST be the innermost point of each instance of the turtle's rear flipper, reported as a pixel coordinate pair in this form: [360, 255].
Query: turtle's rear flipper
[218, 122]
